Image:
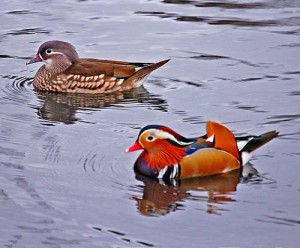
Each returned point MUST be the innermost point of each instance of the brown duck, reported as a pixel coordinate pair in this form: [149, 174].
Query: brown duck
[64, 71]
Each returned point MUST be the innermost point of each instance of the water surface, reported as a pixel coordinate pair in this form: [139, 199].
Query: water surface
[65, 180]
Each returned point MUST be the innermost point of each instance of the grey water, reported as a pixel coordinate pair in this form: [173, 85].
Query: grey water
[65, 180]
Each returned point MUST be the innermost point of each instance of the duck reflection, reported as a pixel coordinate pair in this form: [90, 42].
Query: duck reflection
[162, 197]
[60, 107]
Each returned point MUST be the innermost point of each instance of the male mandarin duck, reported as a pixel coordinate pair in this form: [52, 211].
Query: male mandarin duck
[167, 154]
[64, 71]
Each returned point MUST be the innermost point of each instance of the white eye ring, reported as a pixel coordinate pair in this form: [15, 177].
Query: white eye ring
[49, 51]
[150, 138]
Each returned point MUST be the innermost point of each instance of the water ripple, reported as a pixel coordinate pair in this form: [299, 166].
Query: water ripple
[124, 237]
[28, 31]
[20, 12]
[279, 221]
[91, 162]
[210, 20]
[96, 166]
[205, 56]
[273, 4]
[282, 118]
[16, 92]
[19, 82]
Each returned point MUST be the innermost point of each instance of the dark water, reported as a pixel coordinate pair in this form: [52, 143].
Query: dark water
[64, 178]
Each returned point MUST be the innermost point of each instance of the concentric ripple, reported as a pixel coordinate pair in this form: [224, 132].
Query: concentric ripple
[16, 88]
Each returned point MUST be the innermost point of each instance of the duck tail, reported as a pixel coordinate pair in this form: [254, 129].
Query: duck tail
[248, 144]
[139, 76]
[254, 142]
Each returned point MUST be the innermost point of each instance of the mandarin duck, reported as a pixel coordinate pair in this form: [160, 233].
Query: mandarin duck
[167, 154]
[64, 71]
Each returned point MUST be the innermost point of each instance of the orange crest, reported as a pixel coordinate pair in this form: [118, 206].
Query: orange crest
[223, 138]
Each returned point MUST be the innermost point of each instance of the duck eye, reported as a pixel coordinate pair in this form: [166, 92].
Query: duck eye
[150, 138]
[49, 51]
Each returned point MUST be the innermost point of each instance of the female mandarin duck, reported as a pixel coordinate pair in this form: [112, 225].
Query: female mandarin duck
[64, 71]
[166, 154]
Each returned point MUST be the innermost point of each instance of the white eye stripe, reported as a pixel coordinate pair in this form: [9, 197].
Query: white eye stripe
[165, 135]
[160, 134]
[52, 52]
[49, 60]
[56, 53]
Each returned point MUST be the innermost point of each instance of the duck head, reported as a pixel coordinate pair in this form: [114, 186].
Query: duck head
[161, 147]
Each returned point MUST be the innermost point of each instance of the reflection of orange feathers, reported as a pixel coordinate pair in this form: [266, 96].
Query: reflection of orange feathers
[223, 138]
[160, 198]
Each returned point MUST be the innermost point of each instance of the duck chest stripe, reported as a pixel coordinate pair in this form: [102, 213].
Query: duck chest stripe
[170, 172]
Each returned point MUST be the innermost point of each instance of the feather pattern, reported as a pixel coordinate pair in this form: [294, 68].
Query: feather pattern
[167, 154]
[163, 154]
[64, 71]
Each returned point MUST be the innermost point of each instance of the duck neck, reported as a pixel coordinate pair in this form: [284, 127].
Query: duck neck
[55, 66]
[159, 158]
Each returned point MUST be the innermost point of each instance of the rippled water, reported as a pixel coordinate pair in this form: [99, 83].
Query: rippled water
[65, 180]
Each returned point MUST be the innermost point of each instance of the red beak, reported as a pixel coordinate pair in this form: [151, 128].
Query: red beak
[35, 58]
[136, 146]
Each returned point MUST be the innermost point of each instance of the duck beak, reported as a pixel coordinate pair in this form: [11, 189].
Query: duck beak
[136, 146]
[35, 58]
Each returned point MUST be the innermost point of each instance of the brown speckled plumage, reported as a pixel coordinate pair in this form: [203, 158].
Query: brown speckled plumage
[64, 71]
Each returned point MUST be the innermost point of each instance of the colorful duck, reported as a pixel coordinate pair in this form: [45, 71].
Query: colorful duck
[167, 154]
